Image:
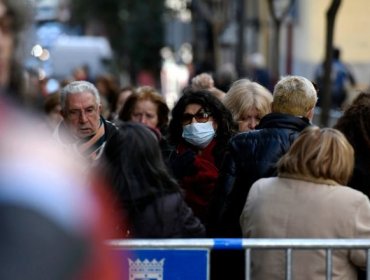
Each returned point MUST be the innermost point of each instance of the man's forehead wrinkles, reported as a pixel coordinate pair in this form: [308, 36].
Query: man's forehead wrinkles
[74, 107]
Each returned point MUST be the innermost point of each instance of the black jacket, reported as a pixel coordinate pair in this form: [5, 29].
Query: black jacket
[251, 155]
[166, 216]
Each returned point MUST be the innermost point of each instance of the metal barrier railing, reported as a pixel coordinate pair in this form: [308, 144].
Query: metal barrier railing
[251, 244]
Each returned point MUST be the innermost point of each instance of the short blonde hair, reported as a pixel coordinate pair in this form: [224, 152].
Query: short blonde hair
[294, 95]
[244, 95]
[319, 153]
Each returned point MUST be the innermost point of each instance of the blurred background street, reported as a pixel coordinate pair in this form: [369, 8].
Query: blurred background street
[165, 43]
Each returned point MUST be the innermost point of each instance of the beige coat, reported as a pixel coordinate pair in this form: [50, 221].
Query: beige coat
[291, 208]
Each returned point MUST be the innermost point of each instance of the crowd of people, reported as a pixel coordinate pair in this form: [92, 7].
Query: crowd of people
[103, 162]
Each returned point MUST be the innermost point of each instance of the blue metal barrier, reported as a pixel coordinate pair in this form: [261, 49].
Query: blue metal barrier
[156, 258]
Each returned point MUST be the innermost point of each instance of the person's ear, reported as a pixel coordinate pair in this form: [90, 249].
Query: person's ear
[272, 106]
[99, 108]
[310, 114]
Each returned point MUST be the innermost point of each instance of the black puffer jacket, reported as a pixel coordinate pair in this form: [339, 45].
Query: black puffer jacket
[251, 155]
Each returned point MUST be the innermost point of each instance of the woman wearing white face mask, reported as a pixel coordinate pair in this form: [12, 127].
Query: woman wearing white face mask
[200, 128]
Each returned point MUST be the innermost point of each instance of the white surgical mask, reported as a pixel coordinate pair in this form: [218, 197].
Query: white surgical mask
[199, 134]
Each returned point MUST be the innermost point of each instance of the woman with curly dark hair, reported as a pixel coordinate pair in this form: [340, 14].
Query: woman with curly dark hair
[200, 129]
[355, 125]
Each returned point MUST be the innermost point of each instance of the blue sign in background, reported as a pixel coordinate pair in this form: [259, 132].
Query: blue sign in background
[179, 264]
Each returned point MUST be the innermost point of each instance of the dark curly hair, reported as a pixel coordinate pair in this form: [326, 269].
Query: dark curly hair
[355, 124]
[219, 112]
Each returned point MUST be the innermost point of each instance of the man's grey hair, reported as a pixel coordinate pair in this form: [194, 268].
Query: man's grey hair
[78, 87]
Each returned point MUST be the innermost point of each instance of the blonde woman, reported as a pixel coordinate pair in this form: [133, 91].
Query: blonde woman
[309, 199]
[248, 102]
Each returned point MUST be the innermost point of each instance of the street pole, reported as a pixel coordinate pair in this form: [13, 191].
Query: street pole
[240, 48]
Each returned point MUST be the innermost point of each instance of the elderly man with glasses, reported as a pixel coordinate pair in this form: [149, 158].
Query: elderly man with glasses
[83, 131]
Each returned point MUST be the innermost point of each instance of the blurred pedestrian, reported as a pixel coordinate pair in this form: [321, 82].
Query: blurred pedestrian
[15, 16]
[81, 73]
[253, 155]
[308, 199]
[200, 128]
[257, 70]
[52, 110]
[225, 76]
[122, 96]
[248, 102]
[49, 214]
[204, 81]
[108, 89]
[143, 190]
[53, 221]
[83, 130]
[341, 79]
[355, 125]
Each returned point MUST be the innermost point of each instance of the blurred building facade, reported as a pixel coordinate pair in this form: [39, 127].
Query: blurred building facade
[302, 44]
[223, 32]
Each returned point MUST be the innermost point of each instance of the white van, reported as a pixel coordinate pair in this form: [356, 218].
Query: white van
[69, 52]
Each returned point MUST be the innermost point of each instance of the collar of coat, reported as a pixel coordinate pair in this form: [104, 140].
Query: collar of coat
[309, 179]
[280, 120]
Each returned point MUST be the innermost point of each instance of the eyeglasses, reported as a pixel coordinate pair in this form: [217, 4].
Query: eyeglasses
[200, 117]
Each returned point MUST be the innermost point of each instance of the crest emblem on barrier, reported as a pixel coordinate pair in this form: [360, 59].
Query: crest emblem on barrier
[146, 270]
